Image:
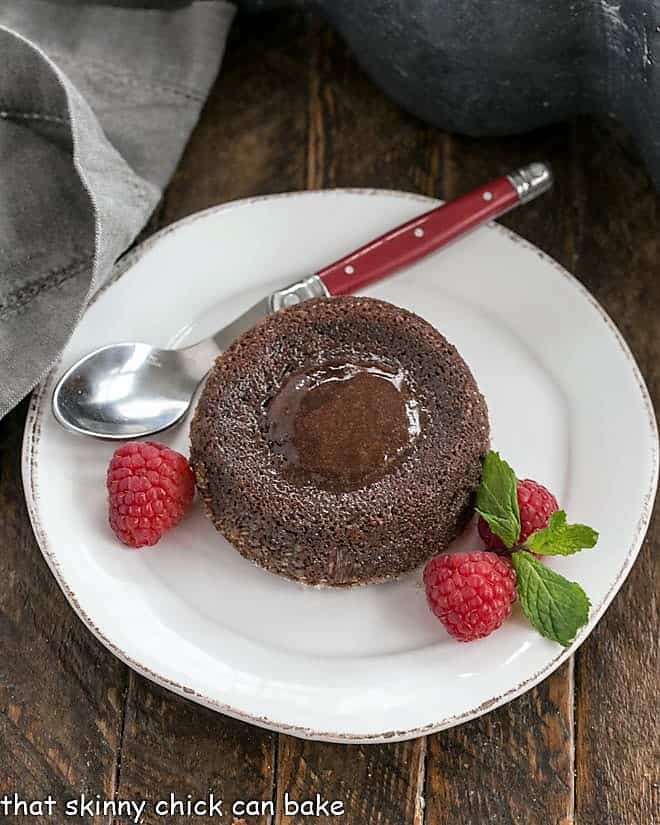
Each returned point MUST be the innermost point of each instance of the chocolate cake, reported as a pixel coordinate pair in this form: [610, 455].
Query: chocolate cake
[339, 442]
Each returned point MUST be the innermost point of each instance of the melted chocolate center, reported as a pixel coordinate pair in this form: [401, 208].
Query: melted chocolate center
[342, 425]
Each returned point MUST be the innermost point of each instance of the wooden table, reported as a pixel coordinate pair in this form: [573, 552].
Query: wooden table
[292, 110]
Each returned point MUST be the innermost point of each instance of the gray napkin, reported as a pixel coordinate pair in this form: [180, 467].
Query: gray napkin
[97, 101]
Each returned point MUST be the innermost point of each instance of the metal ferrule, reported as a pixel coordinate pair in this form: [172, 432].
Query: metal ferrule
[312, 287]
[531, 181]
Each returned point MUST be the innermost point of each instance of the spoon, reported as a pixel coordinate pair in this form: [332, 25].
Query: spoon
[129, 390]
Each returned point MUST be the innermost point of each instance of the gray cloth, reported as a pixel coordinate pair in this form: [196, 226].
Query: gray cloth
[97, 101]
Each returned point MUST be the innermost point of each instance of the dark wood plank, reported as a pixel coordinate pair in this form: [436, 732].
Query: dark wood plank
[617, 668]
[172, 746]
[251, 138]
[359, 138]
[61, 692]
[252, 134]
[514, 765]
[376, 783]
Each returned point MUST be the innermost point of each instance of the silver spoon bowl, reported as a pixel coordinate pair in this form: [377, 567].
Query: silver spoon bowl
[130, 390]
[126, 390]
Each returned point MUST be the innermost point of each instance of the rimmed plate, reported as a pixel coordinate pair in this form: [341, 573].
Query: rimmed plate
[567, 403]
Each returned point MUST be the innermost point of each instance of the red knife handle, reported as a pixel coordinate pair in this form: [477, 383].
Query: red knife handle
[424, 234]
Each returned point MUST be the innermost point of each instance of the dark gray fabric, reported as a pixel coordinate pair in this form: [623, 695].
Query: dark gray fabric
[97, 101]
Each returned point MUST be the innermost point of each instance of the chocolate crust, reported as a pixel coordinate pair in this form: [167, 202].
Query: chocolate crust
[316, 536]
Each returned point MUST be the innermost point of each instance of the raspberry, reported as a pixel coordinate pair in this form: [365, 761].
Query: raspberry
[536, 505]
[471, 593]
[149, 488]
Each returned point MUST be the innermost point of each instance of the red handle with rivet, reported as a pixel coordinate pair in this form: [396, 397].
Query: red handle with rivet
[434, 229]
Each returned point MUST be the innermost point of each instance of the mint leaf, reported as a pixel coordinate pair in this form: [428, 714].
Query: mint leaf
[561, 539]
[556, 607]
[497, 499]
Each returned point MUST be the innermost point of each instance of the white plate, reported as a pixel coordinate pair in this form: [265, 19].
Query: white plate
[568, 406]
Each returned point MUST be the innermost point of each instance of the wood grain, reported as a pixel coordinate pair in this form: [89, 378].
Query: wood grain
[61, 692]
[376, 783]
[347, 114]
[252, 134]
[617, 256]
[172, 746]
[513, 765]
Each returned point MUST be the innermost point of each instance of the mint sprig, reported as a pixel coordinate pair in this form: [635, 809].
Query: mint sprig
[497, 499]
[556, 607]
[561, 539]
